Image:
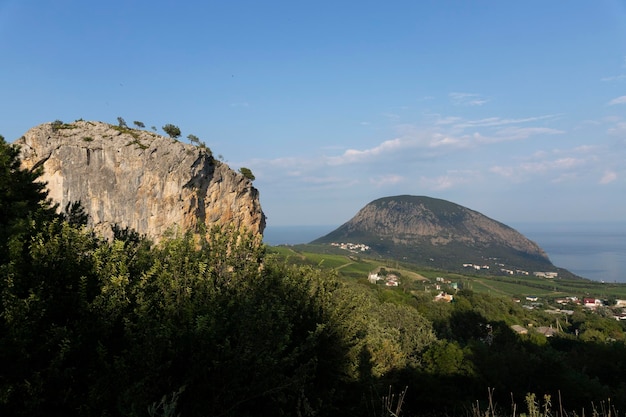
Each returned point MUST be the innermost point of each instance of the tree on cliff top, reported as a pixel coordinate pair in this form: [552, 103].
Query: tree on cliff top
[172, 130]
[246, 172]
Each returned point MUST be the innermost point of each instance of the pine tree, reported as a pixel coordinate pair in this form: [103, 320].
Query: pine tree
[22, 197]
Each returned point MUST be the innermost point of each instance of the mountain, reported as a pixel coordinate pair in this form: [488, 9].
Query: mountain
[139, 179]
[440, 233]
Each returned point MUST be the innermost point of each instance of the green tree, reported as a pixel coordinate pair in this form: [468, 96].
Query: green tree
[121, 122]
[139, 124]
[56, 125]
[246, 172]
[194, 139]
[22, 200]
[243, 334]
[48, 336]
[446, 358]
[75, 214]
[171, 130]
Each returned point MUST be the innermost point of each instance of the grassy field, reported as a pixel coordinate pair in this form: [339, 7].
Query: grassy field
[354, 266]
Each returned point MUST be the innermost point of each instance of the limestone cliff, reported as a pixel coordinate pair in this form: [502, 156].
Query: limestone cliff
[139, 179]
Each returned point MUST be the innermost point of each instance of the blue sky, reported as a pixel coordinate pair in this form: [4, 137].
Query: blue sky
[514, 109]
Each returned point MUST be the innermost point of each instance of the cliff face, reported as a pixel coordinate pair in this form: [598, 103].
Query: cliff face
[139, 179]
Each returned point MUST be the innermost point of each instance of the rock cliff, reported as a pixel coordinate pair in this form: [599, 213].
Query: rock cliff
[139, 179]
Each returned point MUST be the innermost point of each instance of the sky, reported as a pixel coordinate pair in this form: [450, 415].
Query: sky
[515, 109]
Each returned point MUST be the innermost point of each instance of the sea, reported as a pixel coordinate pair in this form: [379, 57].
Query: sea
[596, 251]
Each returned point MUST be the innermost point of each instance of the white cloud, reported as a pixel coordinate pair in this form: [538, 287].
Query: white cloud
[450, 179]
[440, 140]
[449, 120]
[619, 77]
[413, 140]
[608, 177]
[391, 116]
[519, 133]
[616, 77]
[440, 183]
[585, 149]
[565, 177]
[498, 121]
[556, 166]
[448, 153]
[386, 180]
[467, 99]
[618, 100]
[354, 155]
[551, 165]
[618, 129]
[285, 163]
[504, 171]
[330, 182]
[445, 135]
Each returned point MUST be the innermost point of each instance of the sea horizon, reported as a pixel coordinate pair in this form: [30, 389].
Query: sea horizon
[592, 250]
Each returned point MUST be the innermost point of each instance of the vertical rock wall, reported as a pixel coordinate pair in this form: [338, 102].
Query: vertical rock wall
[139, 179]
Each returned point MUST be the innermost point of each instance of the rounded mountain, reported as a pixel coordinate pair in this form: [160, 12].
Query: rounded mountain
[427, 230]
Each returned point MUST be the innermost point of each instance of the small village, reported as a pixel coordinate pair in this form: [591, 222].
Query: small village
[444, 290]
[352, 247]
[506, 271]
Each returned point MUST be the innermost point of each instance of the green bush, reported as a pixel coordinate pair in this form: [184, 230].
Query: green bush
[246, 172]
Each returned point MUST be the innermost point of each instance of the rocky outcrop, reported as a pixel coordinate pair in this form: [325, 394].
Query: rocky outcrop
[139, 179]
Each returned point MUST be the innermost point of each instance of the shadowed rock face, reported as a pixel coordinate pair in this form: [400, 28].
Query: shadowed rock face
[139, 179]
[423, 228]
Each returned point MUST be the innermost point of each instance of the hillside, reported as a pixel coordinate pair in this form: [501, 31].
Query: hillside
[112, 327]
[439, 233]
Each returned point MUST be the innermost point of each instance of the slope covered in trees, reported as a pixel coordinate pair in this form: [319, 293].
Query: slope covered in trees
[220, 327]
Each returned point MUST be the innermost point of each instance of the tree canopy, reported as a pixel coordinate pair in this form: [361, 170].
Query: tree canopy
[23, 199]
[246, 172]
[171, 130]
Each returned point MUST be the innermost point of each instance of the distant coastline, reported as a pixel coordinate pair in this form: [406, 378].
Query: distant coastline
[294, 235]
[596, 251]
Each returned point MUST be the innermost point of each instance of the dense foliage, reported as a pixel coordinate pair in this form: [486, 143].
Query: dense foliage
[217, 326]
